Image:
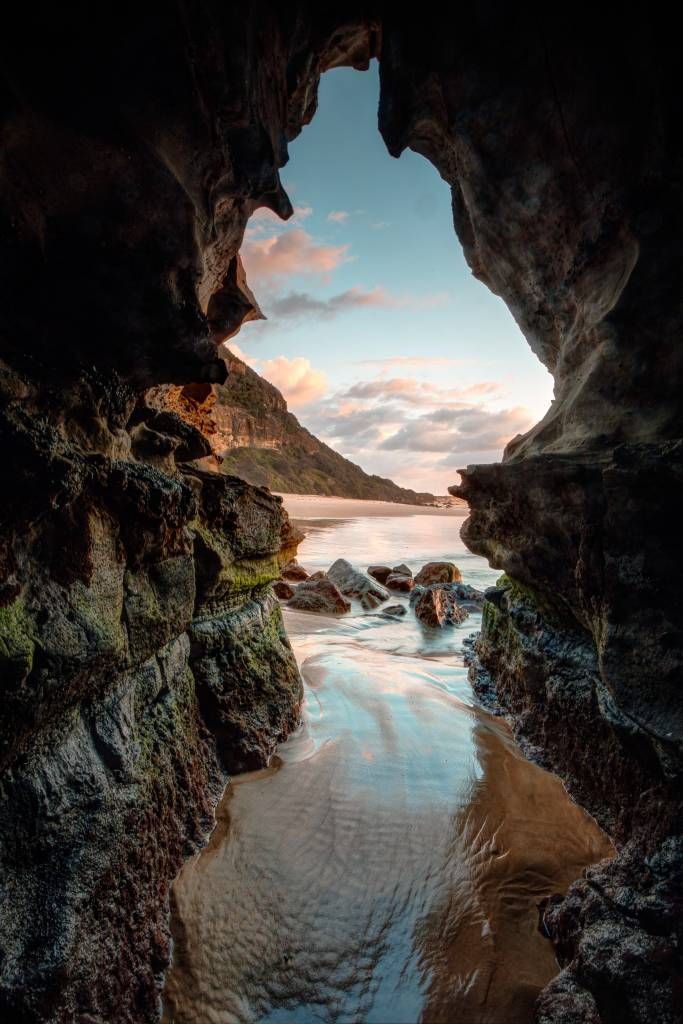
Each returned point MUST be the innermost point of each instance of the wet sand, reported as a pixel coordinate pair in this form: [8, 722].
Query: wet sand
[318, 506]
[388, 865]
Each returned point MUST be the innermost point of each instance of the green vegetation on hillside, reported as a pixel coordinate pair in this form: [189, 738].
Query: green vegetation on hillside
[293, 470]
[300, 464]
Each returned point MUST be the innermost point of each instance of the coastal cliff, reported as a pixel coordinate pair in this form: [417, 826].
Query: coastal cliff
[254, 436]
[141, 653]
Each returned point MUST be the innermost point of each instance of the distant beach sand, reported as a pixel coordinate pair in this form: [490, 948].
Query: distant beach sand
[319, 506]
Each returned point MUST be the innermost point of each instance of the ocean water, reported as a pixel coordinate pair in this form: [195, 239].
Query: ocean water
[387, 867]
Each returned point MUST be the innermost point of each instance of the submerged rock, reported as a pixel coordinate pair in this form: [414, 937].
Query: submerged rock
[438, 572]
[437, 606]
[400, 582]
[395, 611]
[283, 590]
[320, 596]
[357, 584]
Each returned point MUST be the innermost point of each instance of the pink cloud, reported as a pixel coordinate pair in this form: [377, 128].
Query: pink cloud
[264, 223]
[339, 216]
[241, 354]
[293, 252]
[298, 381]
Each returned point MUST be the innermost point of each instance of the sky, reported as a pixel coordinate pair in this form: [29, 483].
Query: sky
[381, 340]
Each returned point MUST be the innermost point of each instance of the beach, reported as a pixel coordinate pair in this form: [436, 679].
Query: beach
[388, 866]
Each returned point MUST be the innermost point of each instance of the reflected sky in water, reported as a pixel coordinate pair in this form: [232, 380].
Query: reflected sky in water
[388, 865]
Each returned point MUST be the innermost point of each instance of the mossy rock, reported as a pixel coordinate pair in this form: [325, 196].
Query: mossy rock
[17, 643]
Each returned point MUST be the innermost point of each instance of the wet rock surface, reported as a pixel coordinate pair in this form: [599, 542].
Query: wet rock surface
[436, 606]
[381, 573]
[399, 582]
[293, 572]
[437, 572]
[395, 611]
[320, 595]
[617, 933]
[358, 585]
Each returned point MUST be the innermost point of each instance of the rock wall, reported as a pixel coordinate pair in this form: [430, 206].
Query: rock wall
[560, 147]
[141, 655]
[143, 658]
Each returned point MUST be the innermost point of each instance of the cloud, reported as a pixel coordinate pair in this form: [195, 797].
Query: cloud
[404, 429]
[452, 430]
[293, 252]
[241, 354]
[264, 221]
[379, 225]
[422, 393]
[413, 361]
[339, 216]
[298, 305]
[304, 305]
[295, 378]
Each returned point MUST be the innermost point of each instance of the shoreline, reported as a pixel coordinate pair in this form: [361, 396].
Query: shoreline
[323, 506]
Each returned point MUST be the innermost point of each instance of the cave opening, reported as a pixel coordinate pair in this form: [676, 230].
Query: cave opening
[368, 318]
[142, 655]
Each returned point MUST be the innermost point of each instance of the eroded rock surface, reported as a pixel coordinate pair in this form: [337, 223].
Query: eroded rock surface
[398, 581]
[134, 150]
[436, 606]
[358, 585]
[320, 596]
[437, 572]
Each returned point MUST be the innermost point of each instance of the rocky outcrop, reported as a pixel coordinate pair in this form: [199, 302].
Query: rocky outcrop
[134, 151]
[436, 606]
[253, 435]
[565, 168]
[400, 582]
[358, 585]
[381, 573]
[293, 571]
[141, 662]
[438, 572]
[320, 596]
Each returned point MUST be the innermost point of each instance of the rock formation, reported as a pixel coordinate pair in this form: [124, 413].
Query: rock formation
[320, 596]
[253, 435]
[357, 584]
[138, 631]
[437, 572]
[436, 606]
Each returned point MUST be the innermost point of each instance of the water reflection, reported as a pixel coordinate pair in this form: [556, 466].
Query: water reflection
[387, 867]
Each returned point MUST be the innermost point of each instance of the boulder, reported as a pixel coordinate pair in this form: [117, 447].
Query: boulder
[438, 572]
[319, 596]
[402, 569]
[380, 572]
[294, 571]
[394, 611]
[465, 594]
[399, 581]
[437, 606]
[357, 584]
[283, 590]
[319, 575]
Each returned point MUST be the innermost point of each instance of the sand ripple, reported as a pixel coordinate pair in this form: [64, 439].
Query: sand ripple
[386, 868]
